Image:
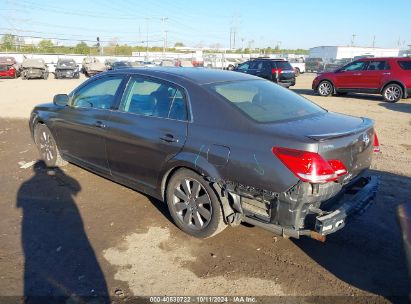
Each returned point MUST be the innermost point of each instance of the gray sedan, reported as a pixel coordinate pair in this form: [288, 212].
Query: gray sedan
[218, 147]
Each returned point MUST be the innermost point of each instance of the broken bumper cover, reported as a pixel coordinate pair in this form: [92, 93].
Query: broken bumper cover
[366, 189]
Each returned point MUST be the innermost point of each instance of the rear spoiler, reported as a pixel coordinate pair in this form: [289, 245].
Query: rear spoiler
[365, 125]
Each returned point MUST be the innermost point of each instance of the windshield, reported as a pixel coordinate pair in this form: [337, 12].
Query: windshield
[66, 63]
[265, 101]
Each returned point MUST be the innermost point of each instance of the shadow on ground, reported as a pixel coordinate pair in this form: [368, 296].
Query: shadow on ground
[401, 106]
[59, 260]
[368, 253]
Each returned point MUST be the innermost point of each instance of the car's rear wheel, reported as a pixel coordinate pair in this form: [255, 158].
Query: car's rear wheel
[194, 205]
[297, 72]
[325, 88]
[45, 76]
[392, 92]
[47, 146]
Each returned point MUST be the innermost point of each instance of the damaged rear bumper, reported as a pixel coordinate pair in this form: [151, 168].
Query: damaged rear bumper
[365, 189]
[322, 218]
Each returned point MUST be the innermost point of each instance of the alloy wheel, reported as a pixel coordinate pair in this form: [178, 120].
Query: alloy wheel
[46, 145]
[192, 204]
[325, 88]
[392, 93]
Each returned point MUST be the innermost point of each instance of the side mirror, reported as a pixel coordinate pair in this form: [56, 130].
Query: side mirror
[61, 100]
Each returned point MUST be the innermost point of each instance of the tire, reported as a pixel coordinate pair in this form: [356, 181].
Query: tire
[392, 93]
[45, 76]
[199, 214]
[230, 67]
[325, 88]
[297, 72]
[23, 76]
[47, 146]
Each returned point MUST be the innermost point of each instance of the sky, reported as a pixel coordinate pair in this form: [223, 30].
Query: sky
[288, 24]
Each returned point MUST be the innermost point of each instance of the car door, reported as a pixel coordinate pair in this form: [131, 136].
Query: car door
[373, 77]
[349, 77]
[81, 125]
[263, 69]
[149, 128]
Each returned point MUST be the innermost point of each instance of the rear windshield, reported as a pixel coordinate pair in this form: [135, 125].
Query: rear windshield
[265, 101]
[284, 65]
[405, 65]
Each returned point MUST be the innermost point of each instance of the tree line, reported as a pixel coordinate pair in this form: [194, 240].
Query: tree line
[13, 43]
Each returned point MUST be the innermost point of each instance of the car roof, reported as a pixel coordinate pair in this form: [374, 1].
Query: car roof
[383, 58]
[196, 75]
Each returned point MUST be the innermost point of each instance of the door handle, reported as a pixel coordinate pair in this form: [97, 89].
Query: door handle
[357, 74]
[99, 124]
[387, 73]
[169, 138]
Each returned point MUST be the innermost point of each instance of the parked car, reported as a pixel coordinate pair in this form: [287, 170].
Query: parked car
[9, 67]
[184, 63]
[277, 70]
[108, 62]
[167, 63]
[92, 66]
[336, 64]
[218, 147]
[66, 68]
[390, 77]
[314, 65]
[298, 65]
[120, 65]
[34, 68]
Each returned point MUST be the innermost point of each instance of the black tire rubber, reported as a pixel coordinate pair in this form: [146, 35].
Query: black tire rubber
[396, 86]
[216, 223]
[330, 91]
[56, 160]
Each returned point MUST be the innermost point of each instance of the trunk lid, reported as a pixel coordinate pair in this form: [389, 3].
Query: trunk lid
[341, 137]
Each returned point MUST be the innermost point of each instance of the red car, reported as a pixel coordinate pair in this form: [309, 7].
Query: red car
[390, 77]
[8, 67]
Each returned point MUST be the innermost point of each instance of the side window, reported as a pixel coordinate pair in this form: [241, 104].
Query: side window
[355, 66]
[254, 65]
[244, 66]
[99, 94]
[154, 98]
[378, 66]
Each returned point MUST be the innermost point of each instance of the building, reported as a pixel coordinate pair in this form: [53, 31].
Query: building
[339, 52]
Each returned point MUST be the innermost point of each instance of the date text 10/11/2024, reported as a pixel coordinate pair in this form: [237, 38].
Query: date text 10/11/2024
[203, 299]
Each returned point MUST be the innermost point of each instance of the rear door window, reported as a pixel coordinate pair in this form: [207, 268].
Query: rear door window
[154, 98]
[405, 65]
[378, 66]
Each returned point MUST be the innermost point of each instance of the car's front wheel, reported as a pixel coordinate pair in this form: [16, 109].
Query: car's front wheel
[392, 93]
[194, 205]
[325, 88]
[47, 146]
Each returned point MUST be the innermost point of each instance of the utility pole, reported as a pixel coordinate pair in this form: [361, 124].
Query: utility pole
[163, 19]
[373, 42]
[231, 33]
[353, 39]
[165, 44]
[146, 39]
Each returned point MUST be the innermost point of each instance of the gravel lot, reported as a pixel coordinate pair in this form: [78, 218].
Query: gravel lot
[70, 231]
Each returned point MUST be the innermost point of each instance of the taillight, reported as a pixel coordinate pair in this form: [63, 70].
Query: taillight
[275, 71]
[376, 143]
[310, 166]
